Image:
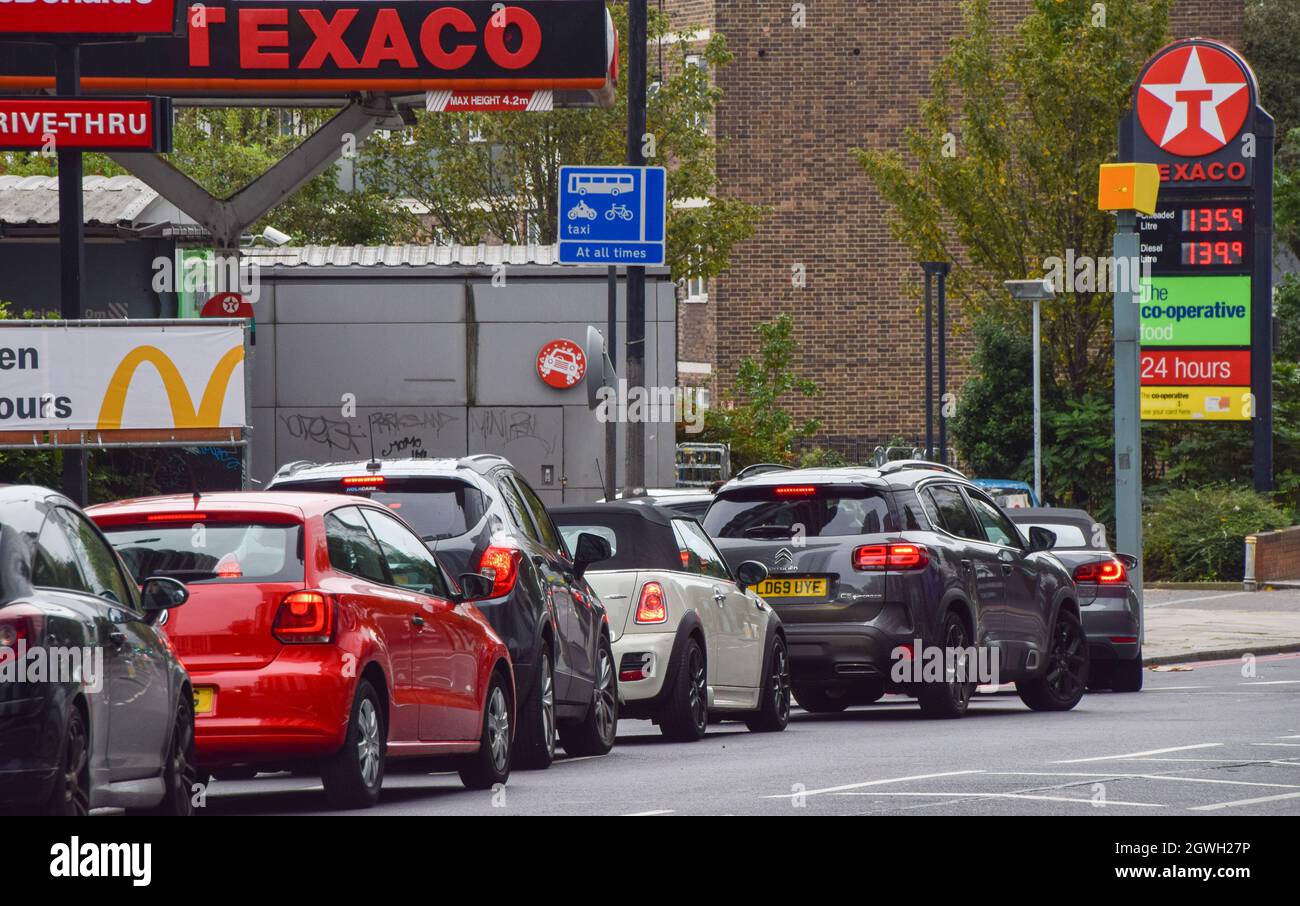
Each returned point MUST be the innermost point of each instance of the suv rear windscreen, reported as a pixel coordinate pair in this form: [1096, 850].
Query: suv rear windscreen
[776, 512]
[437, 508]
[211, 552]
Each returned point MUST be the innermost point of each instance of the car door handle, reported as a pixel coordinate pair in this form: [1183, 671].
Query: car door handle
[417, 622]
[118, 639]
[719, 595]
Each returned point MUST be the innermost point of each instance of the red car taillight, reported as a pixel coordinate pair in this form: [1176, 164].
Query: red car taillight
[890, 556]
[501, 565]
[305, 617]
[1107, 572]
[18, 630]
[653, 606]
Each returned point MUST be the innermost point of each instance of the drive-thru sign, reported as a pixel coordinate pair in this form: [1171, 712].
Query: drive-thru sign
[613, 215]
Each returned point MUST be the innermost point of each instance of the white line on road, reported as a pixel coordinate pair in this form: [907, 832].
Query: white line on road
[1203, 745]
[1219, 805]
[661, 811]
[1173, 688]
[1285, 745]
[1123, 776]
[854, 786]
[1276, 682]
[1094, 802]
[1176, 601]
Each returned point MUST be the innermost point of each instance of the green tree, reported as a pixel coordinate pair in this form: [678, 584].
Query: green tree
[753, 419]
[495, 177]
[1001, 175]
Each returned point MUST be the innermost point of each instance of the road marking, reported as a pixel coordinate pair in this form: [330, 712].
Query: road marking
[1123, 776]
[1230, 594]
[1219, 805]
[1094, 802]
[854, 786]
[662, 811]
[1285, 745]
[1202, 745]
[1173, 688]
[1276, 682]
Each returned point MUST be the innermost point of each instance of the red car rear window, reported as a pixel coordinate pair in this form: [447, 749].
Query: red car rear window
[212, 552]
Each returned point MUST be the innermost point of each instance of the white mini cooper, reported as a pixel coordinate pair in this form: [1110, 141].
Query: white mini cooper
[690, 638]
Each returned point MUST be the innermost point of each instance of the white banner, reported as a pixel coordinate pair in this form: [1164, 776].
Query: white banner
[90, 378]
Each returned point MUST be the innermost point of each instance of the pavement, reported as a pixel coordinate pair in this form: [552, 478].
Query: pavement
[1215, 738]
[1183, 623]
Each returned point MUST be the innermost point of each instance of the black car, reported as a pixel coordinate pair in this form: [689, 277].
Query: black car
[1112, 610]
[107, 718]
[479, 515]
[865, 563]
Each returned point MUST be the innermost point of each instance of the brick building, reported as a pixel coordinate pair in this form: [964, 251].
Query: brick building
[795, 101]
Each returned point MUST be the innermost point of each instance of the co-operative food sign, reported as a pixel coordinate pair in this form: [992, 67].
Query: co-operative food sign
[1205, 304]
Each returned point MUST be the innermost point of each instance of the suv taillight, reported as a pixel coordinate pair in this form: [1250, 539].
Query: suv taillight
[1107, 572]
[653, 606]
[18, 631]
[304, 618]
[890, 556]
[501, 565]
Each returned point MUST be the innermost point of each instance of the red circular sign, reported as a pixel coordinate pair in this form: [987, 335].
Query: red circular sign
[1193, 100]
[227, 305]
[561, 364]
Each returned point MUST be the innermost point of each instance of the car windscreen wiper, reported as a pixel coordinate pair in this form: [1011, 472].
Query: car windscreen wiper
[769, 531]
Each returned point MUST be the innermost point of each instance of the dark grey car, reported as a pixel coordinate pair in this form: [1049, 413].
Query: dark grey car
[1111, 608]
[108, 718]
[866, 562]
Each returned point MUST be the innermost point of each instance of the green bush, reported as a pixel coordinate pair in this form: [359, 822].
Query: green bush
[1198, 534]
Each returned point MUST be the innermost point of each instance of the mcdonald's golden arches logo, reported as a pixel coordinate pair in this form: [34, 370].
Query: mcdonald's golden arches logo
[184, 413]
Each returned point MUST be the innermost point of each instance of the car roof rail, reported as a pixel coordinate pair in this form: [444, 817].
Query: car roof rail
[903, 465]
[290, 467]
[762, 468]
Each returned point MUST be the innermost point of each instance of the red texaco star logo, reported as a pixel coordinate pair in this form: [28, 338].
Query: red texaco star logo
[1193, 100]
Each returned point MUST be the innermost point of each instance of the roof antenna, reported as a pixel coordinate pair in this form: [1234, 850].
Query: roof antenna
[374, 464]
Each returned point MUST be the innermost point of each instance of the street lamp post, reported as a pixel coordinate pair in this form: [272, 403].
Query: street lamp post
[1038, 292]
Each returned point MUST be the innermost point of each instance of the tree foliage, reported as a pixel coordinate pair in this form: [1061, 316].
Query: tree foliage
[486, 177]
[753, 418]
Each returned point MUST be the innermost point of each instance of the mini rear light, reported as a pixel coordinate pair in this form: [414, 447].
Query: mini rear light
[176, 517]
[369, 481]
[653, 606]
[501, 565]
[890, 556]
[1107, 572]
[305, 617]
[1124, 639]
[797, 490]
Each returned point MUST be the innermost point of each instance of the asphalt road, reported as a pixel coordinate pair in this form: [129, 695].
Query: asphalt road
[1201, 741]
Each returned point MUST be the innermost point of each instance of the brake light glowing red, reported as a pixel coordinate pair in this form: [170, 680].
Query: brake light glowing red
[305, 617]
[369, 481]
[653, 606]
[501, 565]
[797, 490]
[228, 568]
[890, 556]
[1107, 572]
[176, 517]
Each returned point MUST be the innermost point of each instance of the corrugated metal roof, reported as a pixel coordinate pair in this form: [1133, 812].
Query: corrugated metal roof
[116, 201]
[405, 255]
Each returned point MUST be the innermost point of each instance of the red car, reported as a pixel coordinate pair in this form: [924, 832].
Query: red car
[320, 630]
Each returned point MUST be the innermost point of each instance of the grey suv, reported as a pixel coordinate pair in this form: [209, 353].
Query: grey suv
[865, 563]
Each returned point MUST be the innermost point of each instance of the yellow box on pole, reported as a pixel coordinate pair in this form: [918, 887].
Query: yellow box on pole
[1128, 187]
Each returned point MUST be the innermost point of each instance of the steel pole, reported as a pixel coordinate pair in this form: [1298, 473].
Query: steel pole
[1128, 402]
[72, 248]
[1038, 405]
[636, 326]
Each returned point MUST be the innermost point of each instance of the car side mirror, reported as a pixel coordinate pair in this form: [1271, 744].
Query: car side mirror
[475, 586]
[590, 549]
[750, 573]
[159, 593]
[1041, 539]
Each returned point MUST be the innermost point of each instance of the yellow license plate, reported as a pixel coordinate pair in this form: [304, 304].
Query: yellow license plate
[204, 699]
[791, 588]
